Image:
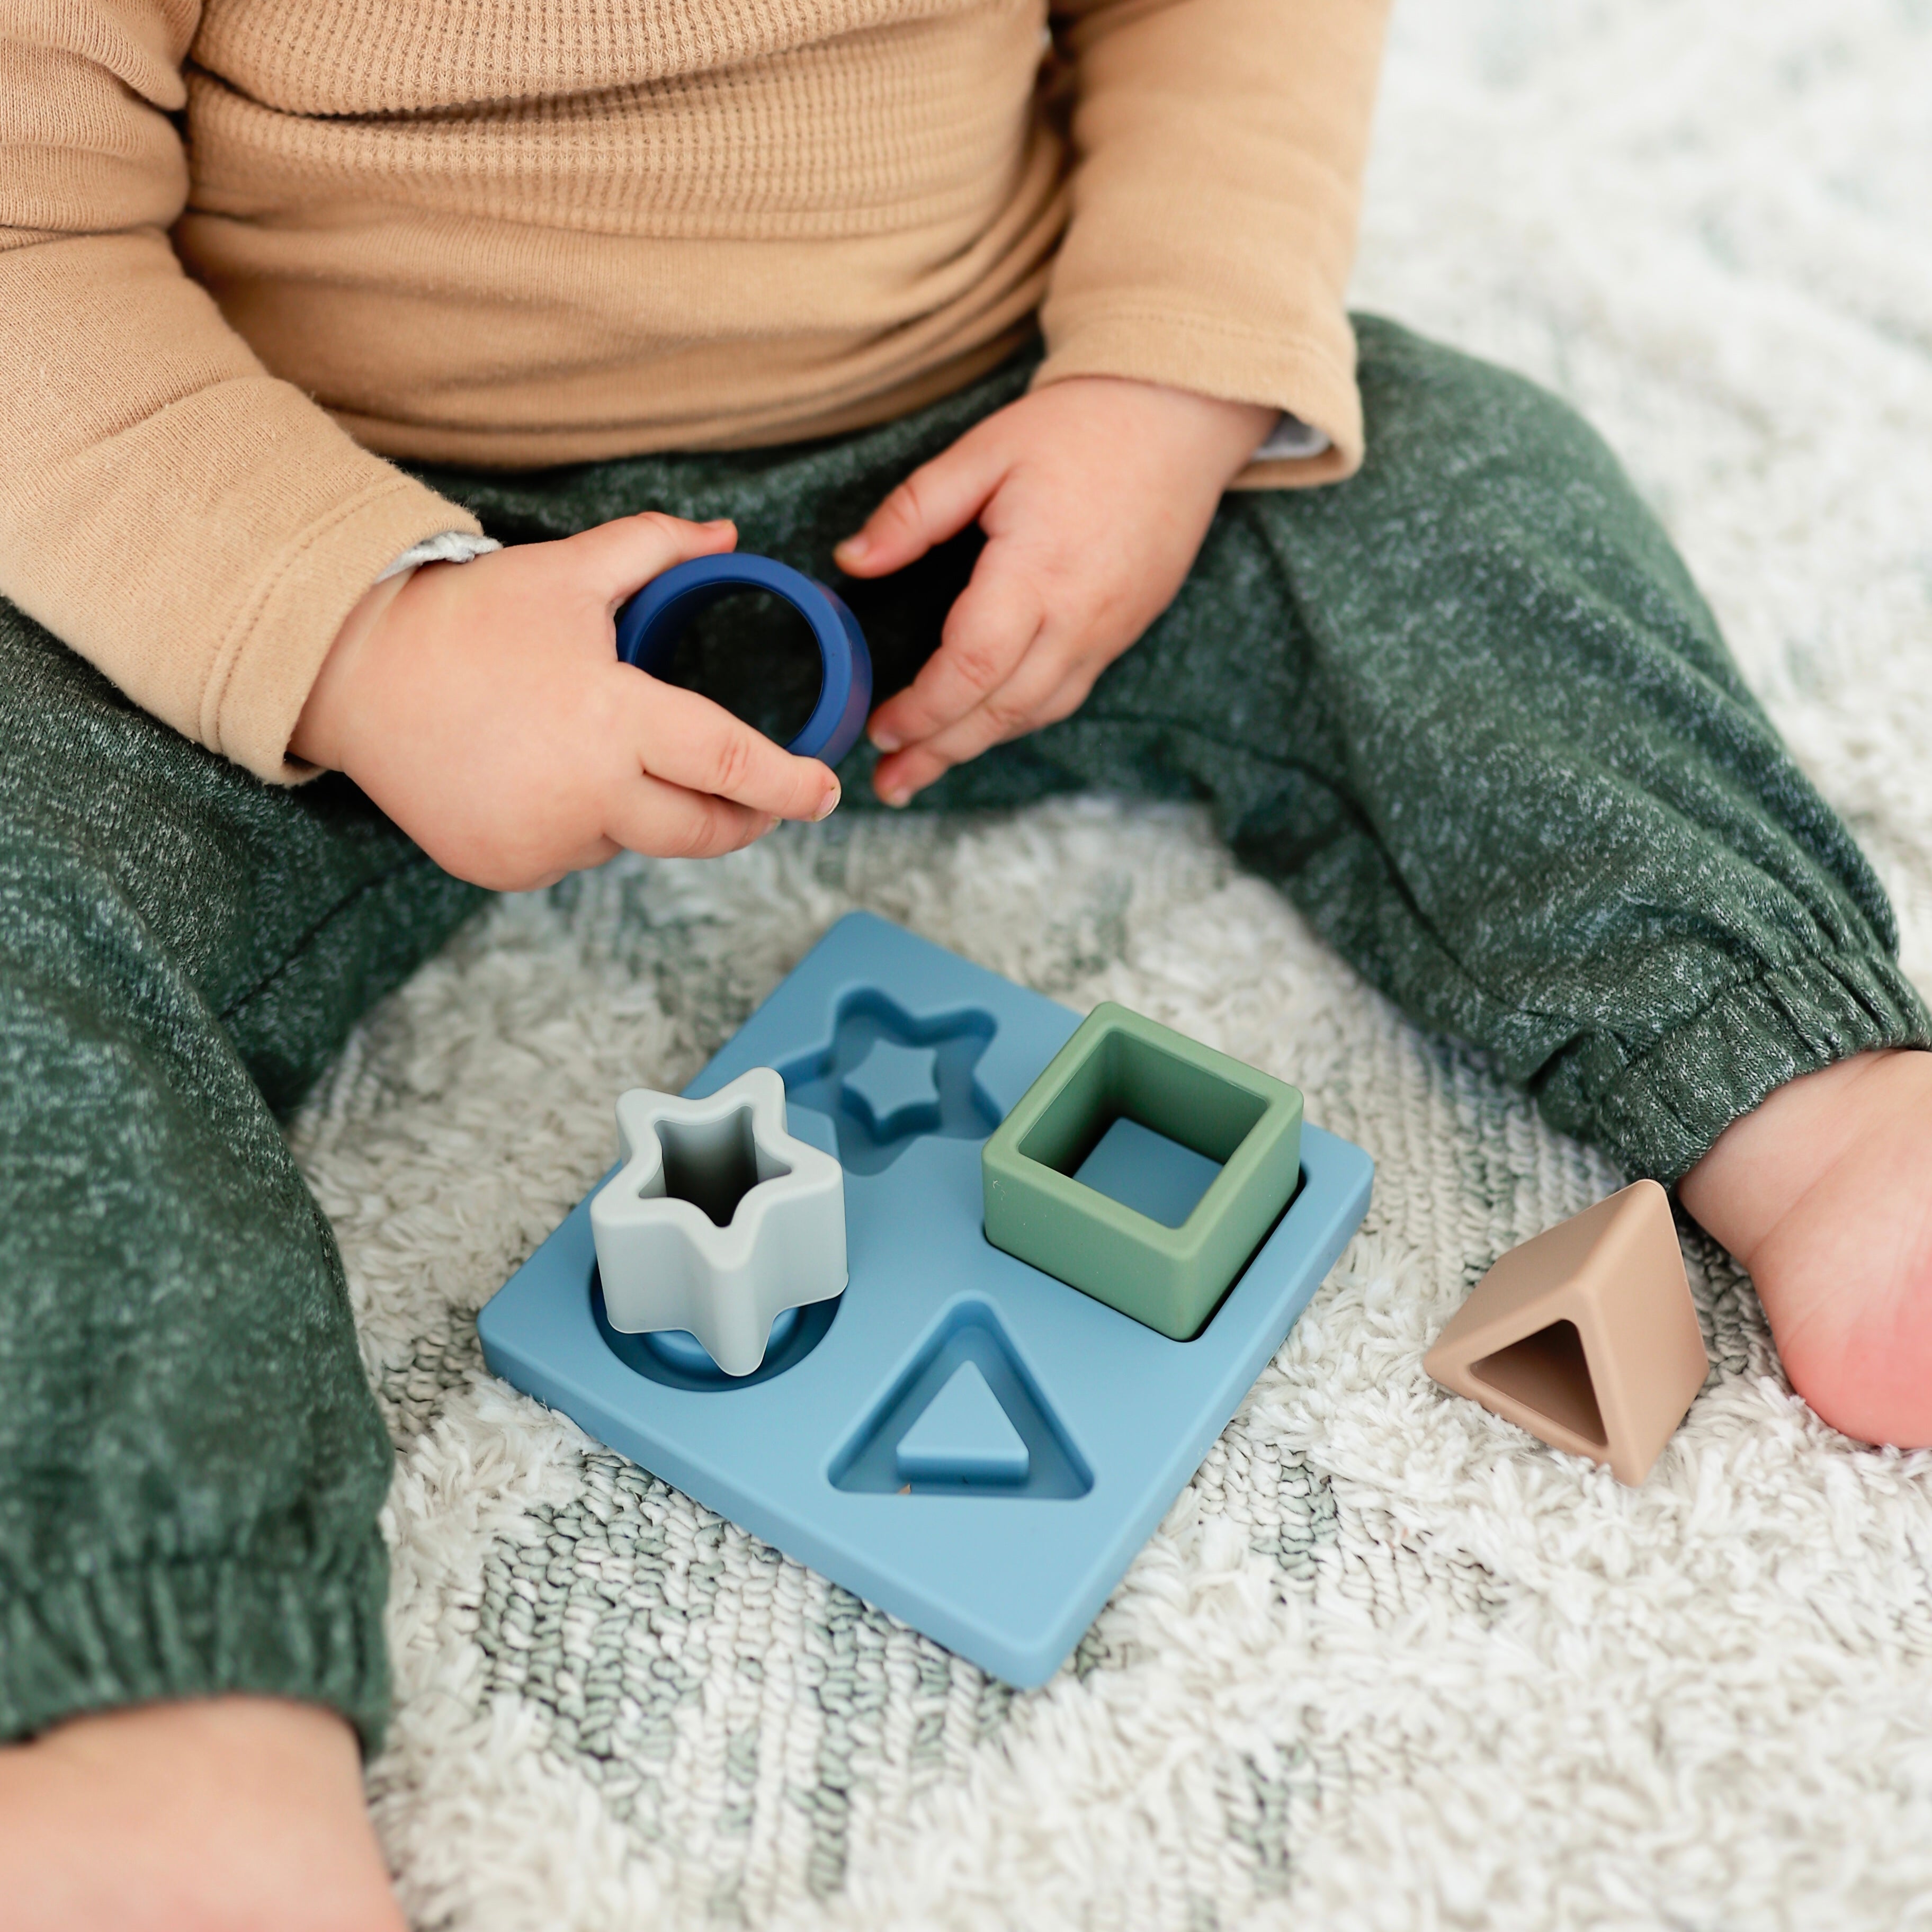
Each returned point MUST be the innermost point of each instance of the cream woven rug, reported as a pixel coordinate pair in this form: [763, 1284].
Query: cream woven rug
[1388, 1663]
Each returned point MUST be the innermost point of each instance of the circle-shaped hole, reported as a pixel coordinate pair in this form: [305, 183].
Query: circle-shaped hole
[751, 652]
[679, 1360]
[686, 1353]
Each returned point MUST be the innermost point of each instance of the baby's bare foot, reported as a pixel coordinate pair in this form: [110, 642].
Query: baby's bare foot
[1824, 1194]
[226, 1813]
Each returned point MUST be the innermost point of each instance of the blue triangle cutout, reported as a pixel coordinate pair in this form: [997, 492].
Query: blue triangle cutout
[966, 1417]
[963, 1434]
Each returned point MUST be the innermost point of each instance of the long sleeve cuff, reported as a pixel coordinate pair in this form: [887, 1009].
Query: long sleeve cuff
[1309, 377]
[1219, 147]
[263, 672]
[201, 539]
[199, 1628]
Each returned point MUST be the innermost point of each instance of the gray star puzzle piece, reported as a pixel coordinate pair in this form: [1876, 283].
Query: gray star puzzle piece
[719, 1220]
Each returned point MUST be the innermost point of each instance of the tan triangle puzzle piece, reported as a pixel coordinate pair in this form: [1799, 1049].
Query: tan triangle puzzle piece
[1586, 1336]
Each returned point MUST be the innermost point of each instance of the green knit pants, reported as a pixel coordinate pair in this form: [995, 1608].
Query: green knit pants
[1467, 710]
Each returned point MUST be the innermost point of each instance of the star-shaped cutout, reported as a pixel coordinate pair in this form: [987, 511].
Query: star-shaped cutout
[884, 1078]
[896, 1088]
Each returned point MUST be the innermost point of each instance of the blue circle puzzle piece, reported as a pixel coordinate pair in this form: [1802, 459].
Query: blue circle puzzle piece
[650, 624]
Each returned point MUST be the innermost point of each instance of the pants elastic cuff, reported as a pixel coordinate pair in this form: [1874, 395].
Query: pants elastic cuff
[1659, 1115]
[144, 1634]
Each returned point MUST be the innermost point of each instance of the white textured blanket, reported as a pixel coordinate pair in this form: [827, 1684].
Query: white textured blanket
[1388, 1662]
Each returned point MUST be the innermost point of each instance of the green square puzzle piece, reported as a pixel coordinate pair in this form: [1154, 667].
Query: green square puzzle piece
[1119, 1064]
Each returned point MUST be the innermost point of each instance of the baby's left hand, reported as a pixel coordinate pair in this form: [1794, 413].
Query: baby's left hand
[1094, 494]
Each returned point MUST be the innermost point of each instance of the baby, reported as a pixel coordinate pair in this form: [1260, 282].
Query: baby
[362, 356]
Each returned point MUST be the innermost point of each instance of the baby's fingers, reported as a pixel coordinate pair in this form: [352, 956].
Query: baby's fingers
[689, 742]
[616, 559]
[936, 501]
[1038, 694]
[669, 823]
[988, 632]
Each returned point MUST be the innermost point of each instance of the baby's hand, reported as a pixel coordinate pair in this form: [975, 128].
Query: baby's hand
[1094, 494]
[484, 707]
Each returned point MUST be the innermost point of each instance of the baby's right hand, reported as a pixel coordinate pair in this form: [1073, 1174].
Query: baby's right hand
[484, 707]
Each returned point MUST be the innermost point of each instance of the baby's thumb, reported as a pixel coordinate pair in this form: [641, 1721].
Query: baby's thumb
[618, 559]
[936, 501]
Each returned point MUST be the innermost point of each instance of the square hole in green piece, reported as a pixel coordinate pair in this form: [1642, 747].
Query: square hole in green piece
[1120, 1066]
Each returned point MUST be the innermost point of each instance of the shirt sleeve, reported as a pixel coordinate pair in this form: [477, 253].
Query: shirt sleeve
[1218, 149]
[193, 526]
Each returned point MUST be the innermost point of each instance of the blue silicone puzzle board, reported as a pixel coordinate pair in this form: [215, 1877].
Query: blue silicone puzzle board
[959, 1438]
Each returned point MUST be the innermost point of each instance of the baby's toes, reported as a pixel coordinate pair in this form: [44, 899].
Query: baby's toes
[1846, 1276]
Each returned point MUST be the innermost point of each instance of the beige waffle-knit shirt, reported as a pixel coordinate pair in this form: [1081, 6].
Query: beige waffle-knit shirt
[250, 249]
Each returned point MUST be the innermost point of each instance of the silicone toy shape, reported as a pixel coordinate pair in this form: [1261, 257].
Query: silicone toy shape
[650, 624]
[1120, 1066]
[1586, 1336]
[856, 1447]
[718, 1220]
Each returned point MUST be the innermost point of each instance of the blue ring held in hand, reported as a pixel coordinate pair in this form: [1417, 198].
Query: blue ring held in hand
[650, 625]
